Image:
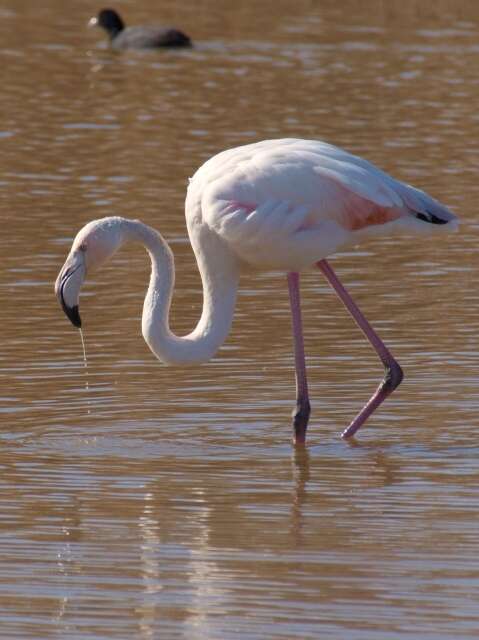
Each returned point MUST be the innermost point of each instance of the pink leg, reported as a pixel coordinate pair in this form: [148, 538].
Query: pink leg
[393, 375]
[303, 408]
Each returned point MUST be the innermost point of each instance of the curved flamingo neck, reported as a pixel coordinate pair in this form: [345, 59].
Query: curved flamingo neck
[219, 275]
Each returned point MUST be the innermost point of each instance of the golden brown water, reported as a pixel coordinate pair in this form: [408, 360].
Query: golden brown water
[166, 502]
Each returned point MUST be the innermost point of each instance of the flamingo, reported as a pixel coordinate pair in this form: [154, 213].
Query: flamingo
[282, 204]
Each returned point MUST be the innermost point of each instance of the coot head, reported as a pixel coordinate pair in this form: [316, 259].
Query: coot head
[109, 20]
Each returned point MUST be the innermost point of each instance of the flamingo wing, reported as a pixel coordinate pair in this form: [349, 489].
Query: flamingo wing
[288, 203]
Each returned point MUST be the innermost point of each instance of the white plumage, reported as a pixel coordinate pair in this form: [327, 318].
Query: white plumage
[288, 203]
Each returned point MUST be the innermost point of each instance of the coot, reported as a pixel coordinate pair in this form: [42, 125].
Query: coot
[147, 37]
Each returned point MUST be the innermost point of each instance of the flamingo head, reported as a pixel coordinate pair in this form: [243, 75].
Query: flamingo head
[93, 245]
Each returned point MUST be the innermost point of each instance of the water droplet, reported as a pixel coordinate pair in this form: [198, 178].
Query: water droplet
[85, 363]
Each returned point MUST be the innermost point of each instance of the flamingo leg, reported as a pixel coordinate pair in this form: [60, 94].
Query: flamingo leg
[393, 375]
[303, 408]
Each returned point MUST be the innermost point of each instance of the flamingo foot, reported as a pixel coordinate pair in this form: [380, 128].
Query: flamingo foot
[392, 379]
[301, 415]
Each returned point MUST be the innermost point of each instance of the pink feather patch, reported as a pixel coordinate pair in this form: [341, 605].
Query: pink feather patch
[358, 213]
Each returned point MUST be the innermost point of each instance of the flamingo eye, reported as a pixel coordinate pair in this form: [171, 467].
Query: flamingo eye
[82, 247]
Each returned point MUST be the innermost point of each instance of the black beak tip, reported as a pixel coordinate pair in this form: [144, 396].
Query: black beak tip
[73, 315]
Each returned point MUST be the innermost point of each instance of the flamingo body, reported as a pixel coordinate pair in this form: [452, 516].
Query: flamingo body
[286, 204]
[278, 204]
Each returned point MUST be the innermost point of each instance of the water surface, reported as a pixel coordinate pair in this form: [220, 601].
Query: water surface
[168, 502]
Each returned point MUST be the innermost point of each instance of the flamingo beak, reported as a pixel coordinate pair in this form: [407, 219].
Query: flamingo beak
[68, 285]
